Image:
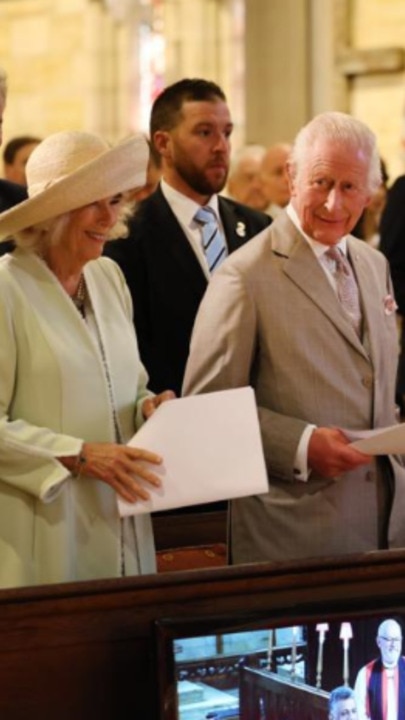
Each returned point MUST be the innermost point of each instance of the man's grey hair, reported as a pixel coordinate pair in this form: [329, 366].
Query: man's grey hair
[247, 152]
[339, 694]
[388, 623]
[341, 128]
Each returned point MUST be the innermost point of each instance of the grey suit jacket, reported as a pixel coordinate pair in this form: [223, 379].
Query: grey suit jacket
[278, 326]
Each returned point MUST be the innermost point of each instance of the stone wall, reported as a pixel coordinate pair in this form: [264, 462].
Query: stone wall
[63, 62]
[74, 64]
[379, 98]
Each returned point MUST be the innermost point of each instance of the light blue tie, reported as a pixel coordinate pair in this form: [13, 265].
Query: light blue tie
[212, 239]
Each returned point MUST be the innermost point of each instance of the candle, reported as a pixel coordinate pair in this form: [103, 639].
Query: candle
[322, 629]
[270, 649]
[294, 651]
[345, 635]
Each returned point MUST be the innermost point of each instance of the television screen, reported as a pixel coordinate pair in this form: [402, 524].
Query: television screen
[327, 660]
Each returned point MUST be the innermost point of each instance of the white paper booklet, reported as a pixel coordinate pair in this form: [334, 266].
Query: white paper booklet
[383, 441]
[211, 449]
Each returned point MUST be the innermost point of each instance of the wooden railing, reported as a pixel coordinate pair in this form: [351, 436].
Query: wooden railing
[104, 649]
[222, 671]
[267, 696]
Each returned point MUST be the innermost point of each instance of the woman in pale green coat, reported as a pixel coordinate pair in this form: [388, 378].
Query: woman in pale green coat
[72, 387]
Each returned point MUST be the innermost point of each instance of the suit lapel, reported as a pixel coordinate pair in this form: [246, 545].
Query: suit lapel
[177, 244]
[303, 268]
[365, 281]
[234, 227]
[367, 289]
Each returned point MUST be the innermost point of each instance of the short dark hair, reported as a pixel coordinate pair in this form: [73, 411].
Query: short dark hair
[166, 109]
[13, 146]
[343, 692]
[154, 157]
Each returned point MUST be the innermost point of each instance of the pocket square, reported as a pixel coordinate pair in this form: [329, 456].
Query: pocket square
[390, 305]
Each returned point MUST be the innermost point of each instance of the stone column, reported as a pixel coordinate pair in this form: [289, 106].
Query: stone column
[111, 38]
[329, 33]
[277, 69]
[205, 38]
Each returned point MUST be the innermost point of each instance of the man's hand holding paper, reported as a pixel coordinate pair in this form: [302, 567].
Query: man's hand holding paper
[330, 453]
[383, 441]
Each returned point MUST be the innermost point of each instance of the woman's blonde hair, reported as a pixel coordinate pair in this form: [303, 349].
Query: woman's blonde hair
[50, 232]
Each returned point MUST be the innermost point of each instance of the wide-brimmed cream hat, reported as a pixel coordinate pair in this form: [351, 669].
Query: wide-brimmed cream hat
[72, 169]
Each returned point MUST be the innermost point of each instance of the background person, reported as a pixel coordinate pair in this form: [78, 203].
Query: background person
[15, 157]
[10, 193]
[153, 175]
[368, 227]
[244, 180]
[392, 244]
[275, 178]
[342, 704]
[72, 387]
[380, 685]
[163, 258]
[275, 316]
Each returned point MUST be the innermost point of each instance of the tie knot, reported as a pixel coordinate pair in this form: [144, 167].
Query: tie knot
[340, 261]
[205, 215]
[334, 254]
[346, 286]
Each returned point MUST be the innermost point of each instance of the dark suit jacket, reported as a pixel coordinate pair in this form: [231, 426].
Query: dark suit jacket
[10, 194]
[167, 283]
[392, 242]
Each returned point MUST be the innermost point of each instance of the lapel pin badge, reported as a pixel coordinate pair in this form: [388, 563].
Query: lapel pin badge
[241, 229]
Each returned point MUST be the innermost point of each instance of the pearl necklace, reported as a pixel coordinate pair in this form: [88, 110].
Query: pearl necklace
[80, 295]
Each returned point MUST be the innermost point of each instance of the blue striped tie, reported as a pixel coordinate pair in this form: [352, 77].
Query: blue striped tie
[212, 239]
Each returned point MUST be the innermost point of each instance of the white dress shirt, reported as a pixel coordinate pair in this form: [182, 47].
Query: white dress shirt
[184, 209]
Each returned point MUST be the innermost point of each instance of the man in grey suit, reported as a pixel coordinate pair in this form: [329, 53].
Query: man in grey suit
[281, 324]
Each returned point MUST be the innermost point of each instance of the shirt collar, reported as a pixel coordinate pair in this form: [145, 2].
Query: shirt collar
[185, 206]
[318, 248]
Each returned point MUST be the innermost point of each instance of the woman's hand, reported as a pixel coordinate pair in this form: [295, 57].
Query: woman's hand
[151, 403]
[122, 467]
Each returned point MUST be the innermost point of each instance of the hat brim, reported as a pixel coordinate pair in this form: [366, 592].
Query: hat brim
[117, 170]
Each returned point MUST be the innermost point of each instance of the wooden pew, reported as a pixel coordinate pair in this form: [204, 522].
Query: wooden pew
[104, 649]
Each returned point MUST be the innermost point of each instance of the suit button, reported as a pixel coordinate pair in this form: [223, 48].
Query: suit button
[367, 381]
[369, 477]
